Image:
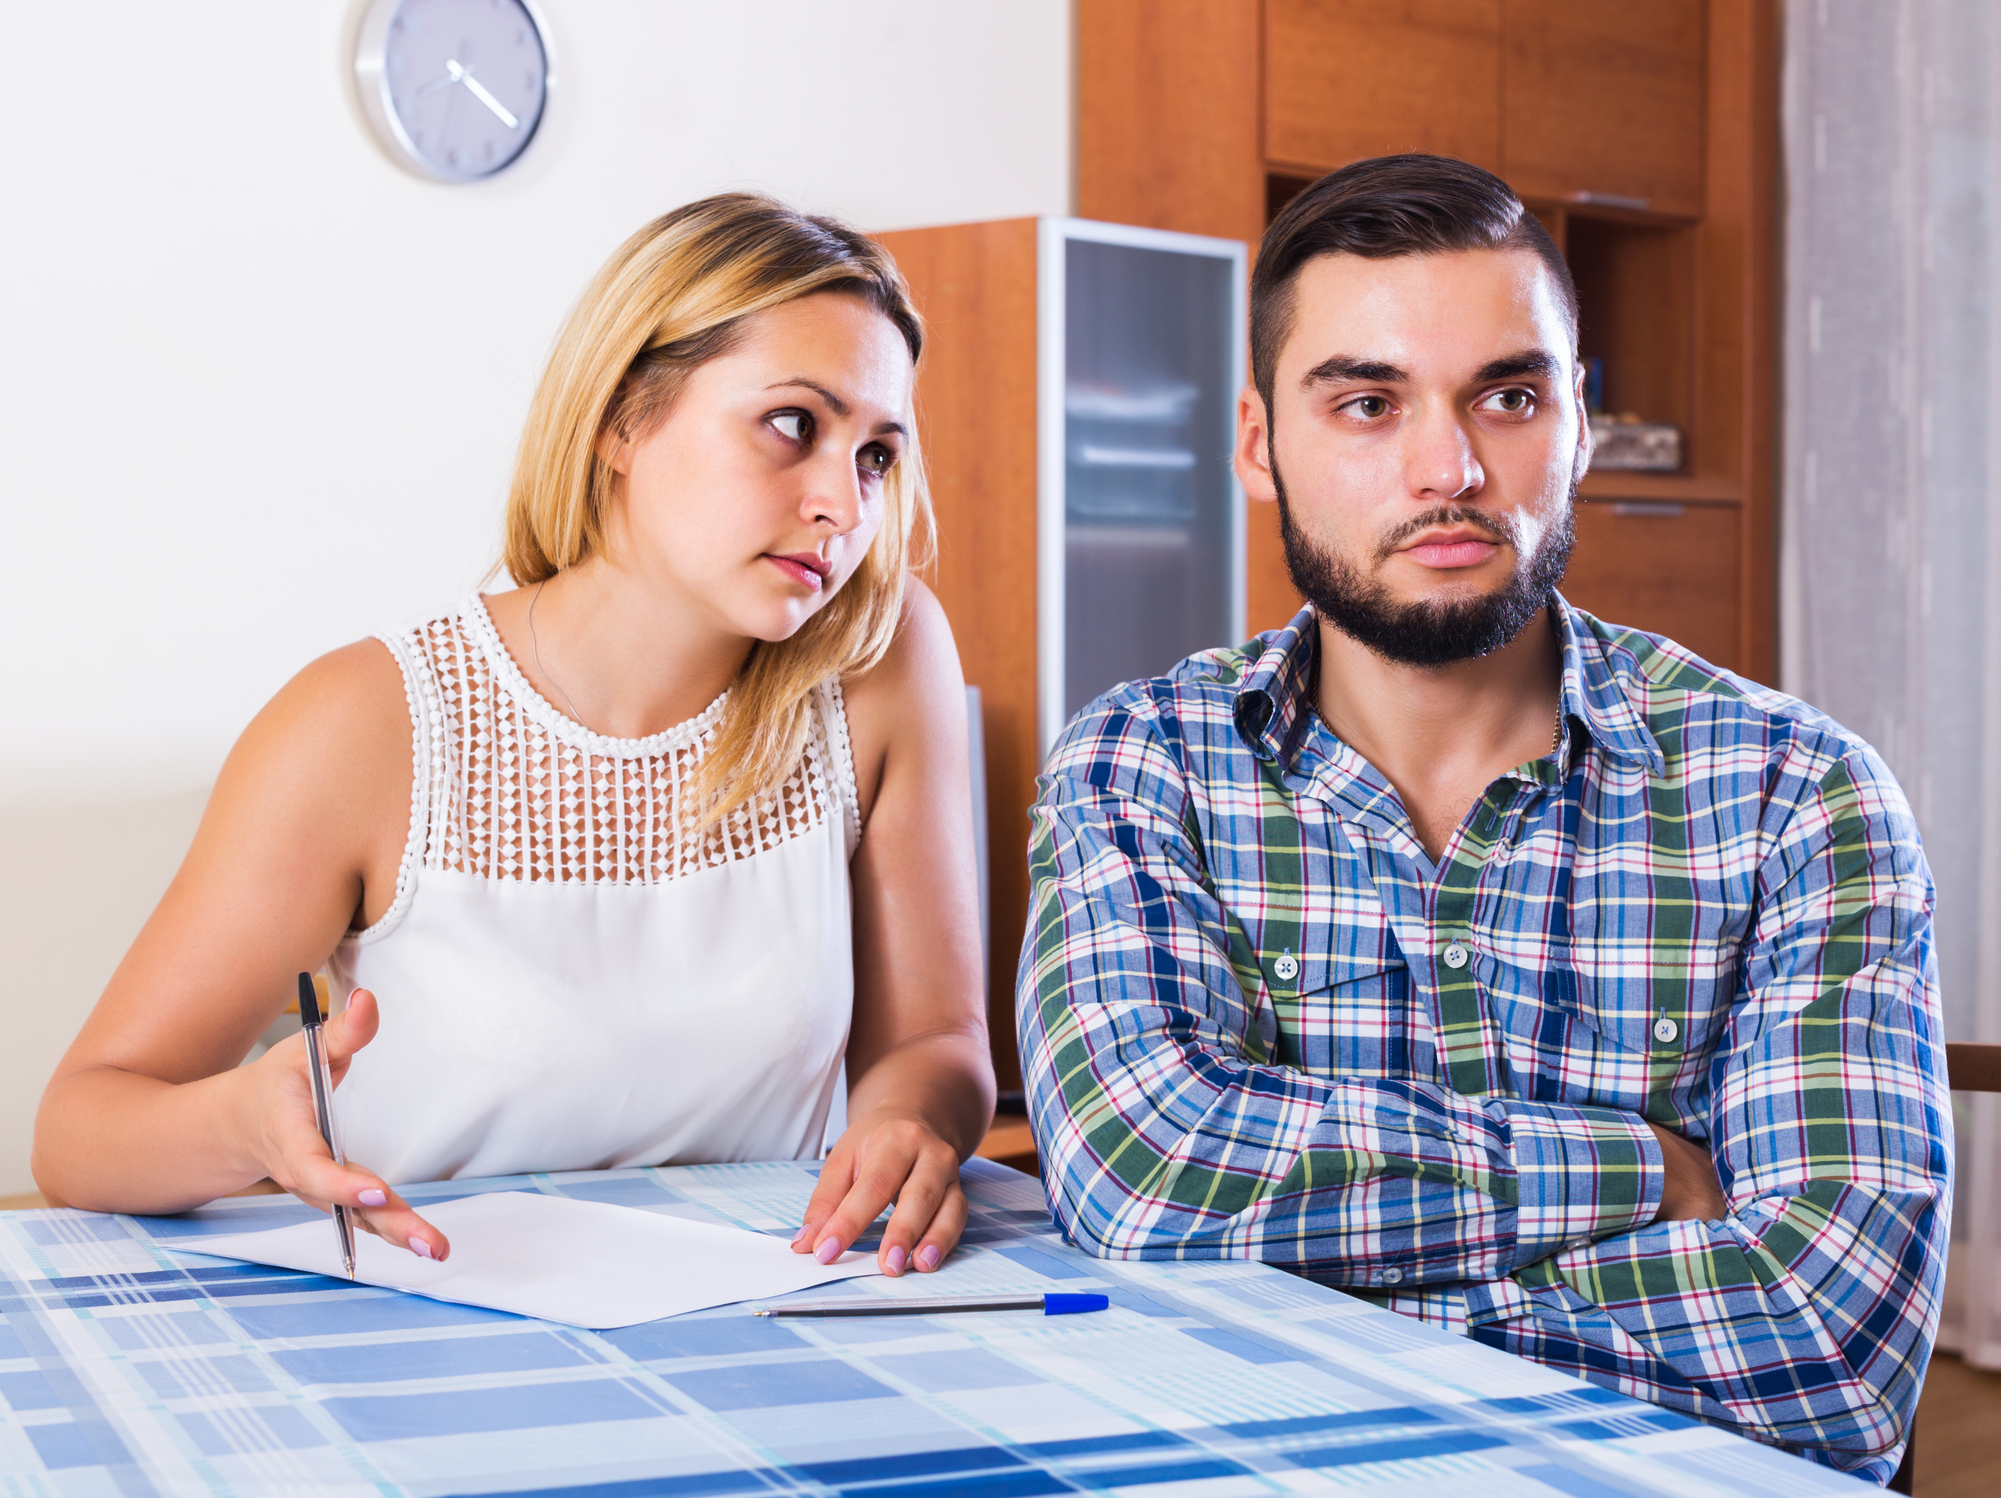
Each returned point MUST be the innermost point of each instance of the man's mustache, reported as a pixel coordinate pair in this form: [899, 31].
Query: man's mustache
[1500, 527]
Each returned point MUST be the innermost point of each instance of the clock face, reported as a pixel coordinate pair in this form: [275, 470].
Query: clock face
[456, 86]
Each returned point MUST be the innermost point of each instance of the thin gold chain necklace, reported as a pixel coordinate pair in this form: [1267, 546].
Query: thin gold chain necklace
[535, 649]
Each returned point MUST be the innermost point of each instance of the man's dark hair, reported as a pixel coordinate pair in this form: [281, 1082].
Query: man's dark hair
[1384, 207]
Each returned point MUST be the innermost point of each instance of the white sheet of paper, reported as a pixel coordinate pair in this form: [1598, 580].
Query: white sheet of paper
[588, 1264]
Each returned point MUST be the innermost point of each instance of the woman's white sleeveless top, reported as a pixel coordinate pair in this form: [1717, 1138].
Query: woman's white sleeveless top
[572, 976]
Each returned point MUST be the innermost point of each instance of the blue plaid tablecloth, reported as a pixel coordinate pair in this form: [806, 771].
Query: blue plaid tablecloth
[126, 1369]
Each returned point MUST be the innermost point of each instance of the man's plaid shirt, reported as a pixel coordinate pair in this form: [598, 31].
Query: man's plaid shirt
[1257, 1022]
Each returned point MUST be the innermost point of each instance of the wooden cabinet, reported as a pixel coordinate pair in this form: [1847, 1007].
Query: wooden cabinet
[975, 285]
[1601, 101]
[1077, 399]
[1673, 565]
[1592, 101]
[1643, 133]
[1167, 121]
[1351, 78]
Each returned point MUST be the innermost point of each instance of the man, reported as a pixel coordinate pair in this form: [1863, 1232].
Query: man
[1521, 971]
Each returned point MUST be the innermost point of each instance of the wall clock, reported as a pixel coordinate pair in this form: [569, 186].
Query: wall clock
[454, 88]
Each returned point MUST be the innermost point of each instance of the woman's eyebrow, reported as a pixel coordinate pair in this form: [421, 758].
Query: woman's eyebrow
[838, 406]
[1515, 366]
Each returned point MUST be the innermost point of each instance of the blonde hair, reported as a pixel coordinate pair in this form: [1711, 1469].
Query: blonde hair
[672, 297]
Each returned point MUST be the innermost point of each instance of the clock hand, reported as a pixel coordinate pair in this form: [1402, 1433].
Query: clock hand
[434, 85]
[473, 87]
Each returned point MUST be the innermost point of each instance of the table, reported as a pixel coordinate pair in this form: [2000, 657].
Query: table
[126, 1370]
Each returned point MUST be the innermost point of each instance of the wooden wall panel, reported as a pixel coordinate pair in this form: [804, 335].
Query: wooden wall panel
[1167, 115]
[1606, 97]
[1345, 79]
[1737, 298]
[975, 286]
[1169, 125]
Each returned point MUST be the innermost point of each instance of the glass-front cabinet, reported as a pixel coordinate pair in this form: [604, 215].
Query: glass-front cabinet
[1140, 521]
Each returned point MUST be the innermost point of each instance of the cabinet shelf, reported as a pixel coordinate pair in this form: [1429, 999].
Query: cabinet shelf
[1676, 488]
[1601, 211]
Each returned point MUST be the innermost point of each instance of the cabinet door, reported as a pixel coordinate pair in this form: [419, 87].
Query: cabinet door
[1150, 508]
[1167, 115]
[1602, 99]
[1670, 569]
[1346, 79]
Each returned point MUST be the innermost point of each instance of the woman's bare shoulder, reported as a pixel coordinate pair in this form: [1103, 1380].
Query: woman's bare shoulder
[337, 731]
[913, 700]
[922, 663]
[351, 693]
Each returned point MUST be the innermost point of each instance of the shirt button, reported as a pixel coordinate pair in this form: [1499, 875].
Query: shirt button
[1455, 956]
[1287, 967]
[1665, 1030]
[1393, 1276]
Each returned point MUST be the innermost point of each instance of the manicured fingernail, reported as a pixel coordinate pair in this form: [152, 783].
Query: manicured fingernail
[420, 1248]
[801, 1236]
[828, 1251]
[895, 1259]
[373, 1197]
[927, 1257]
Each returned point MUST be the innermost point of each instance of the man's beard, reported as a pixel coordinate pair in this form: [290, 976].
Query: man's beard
[1427, 633]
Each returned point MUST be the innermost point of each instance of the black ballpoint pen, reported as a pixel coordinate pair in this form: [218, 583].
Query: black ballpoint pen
[316, 1068]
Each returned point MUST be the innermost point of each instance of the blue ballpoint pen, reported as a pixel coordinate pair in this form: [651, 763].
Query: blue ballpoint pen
[316, 1068]
[1050, 1304]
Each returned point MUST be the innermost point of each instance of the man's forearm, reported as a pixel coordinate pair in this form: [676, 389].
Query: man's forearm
[1162, 1136]
[1365, 1182]
[1698, 1317]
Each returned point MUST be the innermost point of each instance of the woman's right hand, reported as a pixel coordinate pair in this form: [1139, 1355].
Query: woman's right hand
[282, 1132]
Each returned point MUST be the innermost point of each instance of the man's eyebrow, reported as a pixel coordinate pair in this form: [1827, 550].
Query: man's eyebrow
[1341, 367]
[838, 406]
[1515, 366]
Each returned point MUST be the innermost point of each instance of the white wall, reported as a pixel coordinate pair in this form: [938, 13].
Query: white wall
[259, 389]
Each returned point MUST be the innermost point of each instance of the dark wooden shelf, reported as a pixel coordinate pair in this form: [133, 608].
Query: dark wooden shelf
[1675, 488]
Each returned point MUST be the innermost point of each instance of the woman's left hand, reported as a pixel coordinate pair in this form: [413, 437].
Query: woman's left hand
[887, 1156]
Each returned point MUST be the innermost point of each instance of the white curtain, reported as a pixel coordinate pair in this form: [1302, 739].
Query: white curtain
[1891, 552]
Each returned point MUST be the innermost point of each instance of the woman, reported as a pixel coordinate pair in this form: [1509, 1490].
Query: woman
[614, 868]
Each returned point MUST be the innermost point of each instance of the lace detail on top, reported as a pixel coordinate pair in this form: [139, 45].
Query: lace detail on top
[506, 787]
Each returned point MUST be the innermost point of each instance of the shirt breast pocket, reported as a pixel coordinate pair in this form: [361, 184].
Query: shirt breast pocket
[1348, 1016]
[1642, 1001]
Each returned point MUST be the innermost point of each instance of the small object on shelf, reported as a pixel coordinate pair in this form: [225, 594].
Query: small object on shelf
[1594, 385]
[1608, 200]
[1627, 444]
